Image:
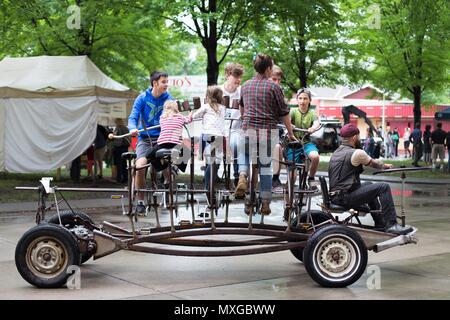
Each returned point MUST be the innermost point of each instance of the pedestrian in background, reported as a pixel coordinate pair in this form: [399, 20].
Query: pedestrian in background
[427, 144]
[437, 139]
[406, 141]
[120, 146]
[100, 149]
[416, 140]
[395, 139]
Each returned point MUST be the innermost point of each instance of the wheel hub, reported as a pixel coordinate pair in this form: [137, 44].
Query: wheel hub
[47, 256]
[335, 256]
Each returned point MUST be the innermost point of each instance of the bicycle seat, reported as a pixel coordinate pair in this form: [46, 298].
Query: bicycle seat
[362, 208]
[167, 153]
[294, 145]
[128, 155]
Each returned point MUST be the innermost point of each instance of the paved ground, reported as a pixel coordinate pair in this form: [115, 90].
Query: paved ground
[419, 271]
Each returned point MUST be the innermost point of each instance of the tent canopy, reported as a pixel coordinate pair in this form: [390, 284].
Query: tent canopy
[443, 115]
[49, 108]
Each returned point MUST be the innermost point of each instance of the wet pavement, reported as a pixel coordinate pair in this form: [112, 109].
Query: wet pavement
[419, 271]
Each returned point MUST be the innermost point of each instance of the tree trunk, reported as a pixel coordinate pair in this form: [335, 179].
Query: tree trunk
[212, 68]
[417, 92]
[303, 77]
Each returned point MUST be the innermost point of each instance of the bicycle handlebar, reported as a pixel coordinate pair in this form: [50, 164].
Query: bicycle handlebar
[401, 170]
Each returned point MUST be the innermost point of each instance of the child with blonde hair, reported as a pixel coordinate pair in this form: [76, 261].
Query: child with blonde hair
[212, 114]
[171, 122]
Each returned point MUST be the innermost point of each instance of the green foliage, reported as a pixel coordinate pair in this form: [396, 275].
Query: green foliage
[191, 59]
[411, 47]
[123, 39]
[219, 26]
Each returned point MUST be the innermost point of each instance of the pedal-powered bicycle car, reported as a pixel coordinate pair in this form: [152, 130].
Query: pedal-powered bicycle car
[333, 249]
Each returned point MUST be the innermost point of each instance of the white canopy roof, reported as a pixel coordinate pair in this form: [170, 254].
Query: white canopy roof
[61, 73]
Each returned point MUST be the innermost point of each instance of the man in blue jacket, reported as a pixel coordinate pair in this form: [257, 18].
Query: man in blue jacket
[147, 110]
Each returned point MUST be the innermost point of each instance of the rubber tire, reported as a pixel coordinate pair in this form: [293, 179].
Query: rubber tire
[317, 217]
[67, 220]
[58, 233]
[352, 238]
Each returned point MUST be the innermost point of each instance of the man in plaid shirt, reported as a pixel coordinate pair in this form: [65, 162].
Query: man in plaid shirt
[262, 108]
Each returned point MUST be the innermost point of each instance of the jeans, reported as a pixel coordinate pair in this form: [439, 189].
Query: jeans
[234, 142]
[247, 155]
[370, 193]
[210, 144]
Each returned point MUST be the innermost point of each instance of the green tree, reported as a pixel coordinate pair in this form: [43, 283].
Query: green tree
[410, 47]
[308, 41]
[191, 59]
[218, 24]
[117, 36]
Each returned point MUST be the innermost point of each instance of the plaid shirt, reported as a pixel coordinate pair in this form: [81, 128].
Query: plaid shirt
[263, 103]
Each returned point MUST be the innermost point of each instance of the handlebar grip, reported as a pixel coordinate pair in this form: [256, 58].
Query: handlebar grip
[128, 155]
[197, 102]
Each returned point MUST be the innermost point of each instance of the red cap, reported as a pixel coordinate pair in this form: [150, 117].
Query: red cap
[349, 130]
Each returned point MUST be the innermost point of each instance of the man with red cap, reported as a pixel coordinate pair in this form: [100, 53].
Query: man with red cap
[346, 164]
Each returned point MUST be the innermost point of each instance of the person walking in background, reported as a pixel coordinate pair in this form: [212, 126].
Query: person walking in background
[369, 143]
[100, 149]
[437, 139]
[389, 144]
[395, 140]
[447, 142]
[120, 146]
[416, 140]
[406, 142]
[427, 144]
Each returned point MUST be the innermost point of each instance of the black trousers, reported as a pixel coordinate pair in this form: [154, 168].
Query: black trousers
[376, 195]
[121, 164]
[75, 169]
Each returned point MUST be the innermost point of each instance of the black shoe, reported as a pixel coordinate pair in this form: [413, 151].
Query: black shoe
[140, 209]
[312, 183]
[276, 183]
[398, 229]
[205, 214]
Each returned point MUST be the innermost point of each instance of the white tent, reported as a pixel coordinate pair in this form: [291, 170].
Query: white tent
[49, 108]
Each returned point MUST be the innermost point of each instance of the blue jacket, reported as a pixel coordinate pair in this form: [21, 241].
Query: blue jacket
[149, 108]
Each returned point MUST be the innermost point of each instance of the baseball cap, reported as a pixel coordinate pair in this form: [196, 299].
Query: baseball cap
[349, 130]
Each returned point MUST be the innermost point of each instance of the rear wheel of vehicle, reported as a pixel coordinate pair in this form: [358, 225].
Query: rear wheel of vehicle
[71, 219]
[317, 217]
[44, 253]
[335, 256]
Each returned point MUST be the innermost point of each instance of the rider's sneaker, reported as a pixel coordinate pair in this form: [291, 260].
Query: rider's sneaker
[205, 214]
[276, 183]
[247, 208]
[398, 229]
[265, 208]
[140, 209]
[241, 188]
[312, 184]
